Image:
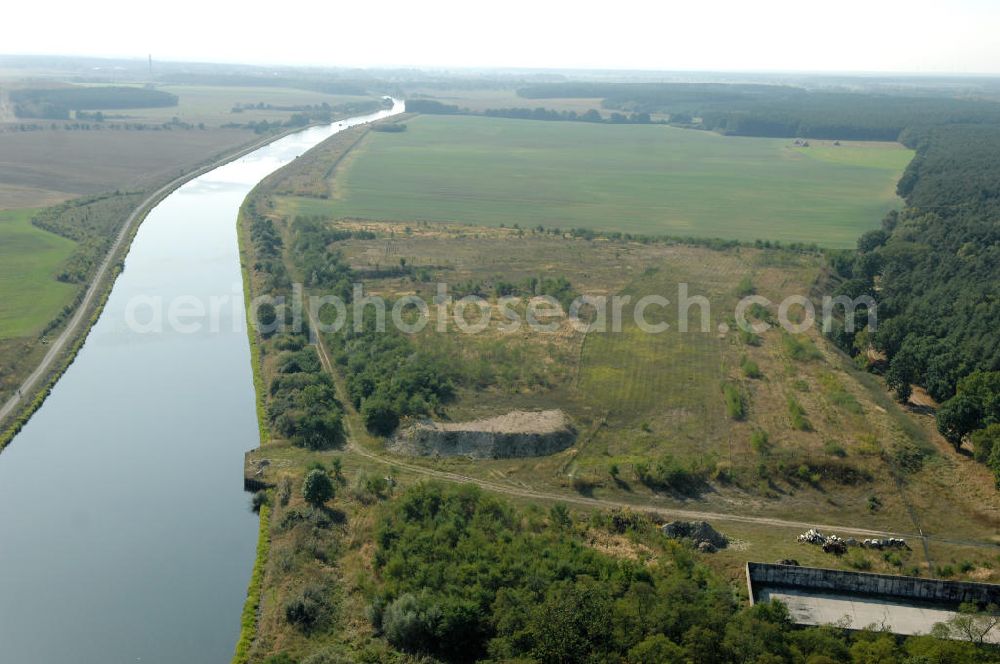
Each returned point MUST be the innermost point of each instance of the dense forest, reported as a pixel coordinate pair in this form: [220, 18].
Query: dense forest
[772, 110]
[934, 270]
[56, 103]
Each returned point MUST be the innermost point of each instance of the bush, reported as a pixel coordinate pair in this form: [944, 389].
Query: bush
[986, 443]
[750, 369]
[858, 561]
[893, 558]
[285, 491]
[797, 415]
[368, 490]
[317, 488]
[309, 609]
[380, 416]
[259, 499]
[748, 338]
[800, 348]
[669, 474]
[410, 623]
[759, 442]
[280, 658]
[745, 287]
[303, 406]
[833, 448]
[735, 405]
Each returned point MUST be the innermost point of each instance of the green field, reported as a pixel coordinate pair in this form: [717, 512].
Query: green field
[30, 296]
[632, 178]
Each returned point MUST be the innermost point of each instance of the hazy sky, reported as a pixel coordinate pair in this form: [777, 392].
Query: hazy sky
[846, 35]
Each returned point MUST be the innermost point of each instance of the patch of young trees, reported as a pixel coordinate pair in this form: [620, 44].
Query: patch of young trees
[463, 576]
[320, 264]
[267, 250]
[302, 402]
[388, 377]
[556, 287]
[92, 222]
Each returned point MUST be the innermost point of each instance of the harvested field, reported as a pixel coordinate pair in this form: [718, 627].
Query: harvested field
[41, 167]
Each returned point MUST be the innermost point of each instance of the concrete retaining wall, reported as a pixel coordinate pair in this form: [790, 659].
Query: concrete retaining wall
[513, 435]
[480, 444]
[951, 593]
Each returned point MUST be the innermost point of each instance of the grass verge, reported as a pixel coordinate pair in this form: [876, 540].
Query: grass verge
[248, 620]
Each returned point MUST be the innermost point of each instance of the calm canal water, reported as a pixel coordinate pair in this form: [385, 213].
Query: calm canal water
[124, 533]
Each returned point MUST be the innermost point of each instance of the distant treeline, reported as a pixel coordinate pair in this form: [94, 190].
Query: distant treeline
[662, 93]
[390, 128]
[96, 123]
[779, 111]
[432, 107]
[359, 87]
[323, 113]
[56, 103]
[591, 115]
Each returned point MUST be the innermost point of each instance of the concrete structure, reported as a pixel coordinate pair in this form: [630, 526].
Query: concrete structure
[513, 435]
[902, 604]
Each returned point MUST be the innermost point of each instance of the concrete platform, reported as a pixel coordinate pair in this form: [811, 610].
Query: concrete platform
[858, 612]
[856, 600]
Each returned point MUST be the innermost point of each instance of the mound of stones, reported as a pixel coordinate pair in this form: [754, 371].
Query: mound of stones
[701, 533]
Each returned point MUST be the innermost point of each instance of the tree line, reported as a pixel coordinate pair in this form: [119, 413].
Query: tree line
[56, 103]
[934, 270]
[433, 107]
[778, 110]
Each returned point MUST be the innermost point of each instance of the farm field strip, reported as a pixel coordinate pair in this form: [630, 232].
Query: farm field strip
[29, 292]
[644, 179]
